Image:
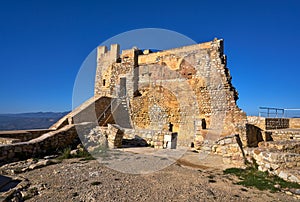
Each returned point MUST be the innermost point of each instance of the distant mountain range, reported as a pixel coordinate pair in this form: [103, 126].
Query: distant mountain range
[23, 121]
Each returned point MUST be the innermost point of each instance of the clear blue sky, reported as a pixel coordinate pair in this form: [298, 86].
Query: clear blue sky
[43, 44]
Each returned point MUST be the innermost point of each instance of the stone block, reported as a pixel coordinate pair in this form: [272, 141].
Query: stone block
[283, 175]
[293, 178]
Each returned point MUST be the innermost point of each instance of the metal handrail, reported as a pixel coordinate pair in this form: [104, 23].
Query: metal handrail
[271, 109]
[111, 104]
[279, 112]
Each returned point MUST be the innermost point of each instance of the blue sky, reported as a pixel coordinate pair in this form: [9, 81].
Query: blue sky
[44, 43]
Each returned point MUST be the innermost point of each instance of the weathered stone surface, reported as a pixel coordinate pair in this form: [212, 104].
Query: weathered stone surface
[179, 86]
[43, 144]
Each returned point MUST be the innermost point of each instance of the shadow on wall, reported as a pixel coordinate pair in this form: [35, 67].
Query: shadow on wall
[254, 135]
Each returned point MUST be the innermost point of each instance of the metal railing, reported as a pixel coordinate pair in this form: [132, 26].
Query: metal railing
[271, 112]
[292, 113]
[112, 107]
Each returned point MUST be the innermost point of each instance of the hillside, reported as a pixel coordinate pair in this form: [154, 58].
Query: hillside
[25, 121]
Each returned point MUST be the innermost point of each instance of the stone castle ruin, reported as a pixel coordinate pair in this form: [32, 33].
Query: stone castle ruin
[186, 87]
[182, 97]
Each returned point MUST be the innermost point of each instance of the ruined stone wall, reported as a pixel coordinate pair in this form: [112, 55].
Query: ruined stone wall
[144, 137]
[105, 59]
[230, 148]
[8, 137]
[273, 123]
[281, 158]
[257, 121]
[197, 76]
[295, 123]
[277, 123]
[285, 135]
[47, 142]
[182, 86]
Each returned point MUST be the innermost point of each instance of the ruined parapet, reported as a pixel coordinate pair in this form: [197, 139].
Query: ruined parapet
[105, 59]
[111, 67]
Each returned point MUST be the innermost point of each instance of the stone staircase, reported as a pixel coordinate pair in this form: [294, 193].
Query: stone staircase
[116, 112]
[121, 113]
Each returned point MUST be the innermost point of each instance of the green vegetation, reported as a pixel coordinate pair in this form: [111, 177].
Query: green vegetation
[65, 154]
[251, 177]
[81, 153]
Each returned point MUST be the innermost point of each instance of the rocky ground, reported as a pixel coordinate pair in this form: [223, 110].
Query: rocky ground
[88, 180]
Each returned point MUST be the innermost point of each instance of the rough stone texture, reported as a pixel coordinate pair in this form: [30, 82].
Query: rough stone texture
[231, 149]
[292, 146]
[9, 137]
[278, 150]
[285, 134]
[279, 160]
[182, 86]
[153, 138]
[257, 121]
[295, 123]
[276, 123]
[43, 144]
[115, 136]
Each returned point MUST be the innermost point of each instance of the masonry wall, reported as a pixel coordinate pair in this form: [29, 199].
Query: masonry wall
[9, 137]
[181, 86]
[47, 142]
[277, 123]
[295, 123]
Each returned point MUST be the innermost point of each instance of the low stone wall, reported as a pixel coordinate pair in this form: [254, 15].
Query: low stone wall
[153, 138]
[277, 123]
[9, 137]
[295, 123]
[94, 137]
[257, 121]
[231, 149]
[271, 123]
[6, 140]
[45, 143]
[114, 136]
[290, 134]
[279, 158]
[147, 135]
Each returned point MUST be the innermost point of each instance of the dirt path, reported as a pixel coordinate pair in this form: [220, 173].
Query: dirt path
[76, 180]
